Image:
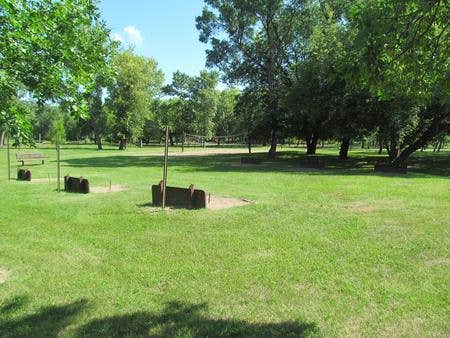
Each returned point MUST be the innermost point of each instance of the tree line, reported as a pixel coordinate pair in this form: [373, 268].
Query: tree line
[341, 69]
[309, 70]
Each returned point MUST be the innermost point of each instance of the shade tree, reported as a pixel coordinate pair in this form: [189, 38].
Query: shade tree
[403, 48]
[137, 82]
[253, 44]
[225, 119]
[51, 48]
[197, 101]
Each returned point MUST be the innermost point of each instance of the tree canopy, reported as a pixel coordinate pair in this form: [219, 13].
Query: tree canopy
[51, 49]
[309, 70]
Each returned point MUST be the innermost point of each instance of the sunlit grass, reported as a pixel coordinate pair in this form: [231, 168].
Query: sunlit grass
[341, 251]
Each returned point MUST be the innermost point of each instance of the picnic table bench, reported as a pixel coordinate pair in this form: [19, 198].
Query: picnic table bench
[30, 157]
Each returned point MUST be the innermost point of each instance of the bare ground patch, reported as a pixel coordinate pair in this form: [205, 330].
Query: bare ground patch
[406, 327]
[105, 190]
[44, 180]
[79, 257]
[438, 262]
[151, 209]
[365, 207]
[335, 194]
[259, 255]
[212, 151]
[4, 275]
[361, 207]
[213, 202]
[217, 202]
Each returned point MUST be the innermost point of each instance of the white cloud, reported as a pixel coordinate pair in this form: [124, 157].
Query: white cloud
[116, 37]
[133, 35]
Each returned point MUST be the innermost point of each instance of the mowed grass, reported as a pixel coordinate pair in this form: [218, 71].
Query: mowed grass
[336, 252]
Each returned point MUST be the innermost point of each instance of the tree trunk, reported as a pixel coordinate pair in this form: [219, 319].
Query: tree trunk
[400, 160]
[273, 143]
[98, 141]
[122, 144]
[439, 124]
[272, 87]
[345, 146]
[311, 144]
[2, 139]
[380, 147]
[171, 139]
[249, 144]
[393, 148]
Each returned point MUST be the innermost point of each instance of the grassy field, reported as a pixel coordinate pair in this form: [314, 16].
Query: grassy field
[336, 252]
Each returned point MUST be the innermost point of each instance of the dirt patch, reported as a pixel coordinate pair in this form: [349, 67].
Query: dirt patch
[407, 327]
[360, 207]
[105, 190]
[335, 194]
[4, 275]
[212, 151]
[438, 261]
[300, 287]
[365, 207]
[151, 209]
[259, 255]
[213, 202]
[217, 202]
[44, 180]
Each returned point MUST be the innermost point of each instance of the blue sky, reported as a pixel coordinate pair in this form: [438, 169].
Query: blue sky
[162, 29]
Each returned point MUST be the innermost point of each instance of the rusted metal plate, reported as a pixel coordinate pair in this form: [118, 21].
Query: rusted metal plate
[188, 198]
[23, 175]
[76, 184]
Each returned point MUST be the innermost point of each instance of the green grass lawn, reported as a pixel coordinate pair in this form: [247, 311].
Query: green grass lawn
[336, 252]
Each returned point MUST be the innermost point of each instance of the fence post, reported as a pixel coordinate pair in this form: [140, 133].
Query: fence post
[9, 157]
[166, 155]
[58, 165]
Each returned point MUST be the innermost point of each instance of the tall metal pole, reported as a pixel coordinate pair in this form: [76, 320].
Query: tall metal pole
[9, 158]
[58, 165]
[166, 155]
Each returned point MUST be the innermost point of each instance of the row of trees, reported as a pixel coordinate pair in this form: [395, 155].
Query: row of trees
[336, 68]
[133, 105]
[61, 73]
[308, 69]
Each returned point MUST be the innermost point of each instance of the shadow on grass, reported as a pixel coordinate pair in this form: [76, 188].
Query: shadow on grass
[12, 305]
[357, 164]
[46, 322]
[180, 319]
[176, 319]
